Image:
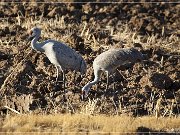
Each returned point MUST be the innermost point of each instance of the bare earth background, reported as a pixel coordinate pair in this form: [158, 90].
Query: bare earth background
[27, 78]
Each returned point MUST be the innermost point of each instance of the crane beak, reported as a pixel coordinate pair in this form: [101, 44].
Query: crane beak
[83, 95]
[30, 37]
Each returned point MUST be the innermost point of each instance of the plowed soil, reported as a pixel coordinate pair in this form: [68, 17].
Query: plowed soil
[27, 78]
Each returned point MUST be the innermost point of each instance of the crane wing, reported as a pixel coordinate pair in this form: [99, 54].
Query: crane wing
[67, 57]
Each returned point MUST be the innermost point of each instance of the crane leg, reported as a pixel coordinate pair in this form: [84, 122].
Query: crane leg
[64, 81]
[114, 81]
[107, 83]
[57, 72]
[64, 77]
[64, 86]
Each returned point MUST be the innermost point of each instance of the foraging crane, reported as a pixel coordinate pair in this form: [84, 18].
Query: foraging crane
[108, 61]
[59, 54]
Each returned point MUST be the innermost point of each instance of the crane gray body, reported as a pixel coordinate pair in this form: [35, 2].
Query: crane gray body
[62, 56]
[109, 61]
[113, 58]
[59, 54]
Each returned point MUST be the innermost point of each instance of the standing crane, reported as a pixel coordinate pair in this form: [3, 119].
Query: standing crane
[59, 54]
[108, 61]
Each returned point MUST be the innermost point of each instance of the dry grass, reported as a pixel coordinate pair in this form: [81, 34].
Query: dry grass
[86, 123]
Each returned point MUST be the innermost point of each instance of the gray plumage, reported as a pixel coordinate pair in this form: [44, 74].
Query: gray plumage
[59, 54]
[108, 61]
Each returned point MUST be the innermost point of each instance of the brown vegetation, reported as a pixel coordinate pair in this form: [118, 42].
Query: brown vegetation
[76, 124]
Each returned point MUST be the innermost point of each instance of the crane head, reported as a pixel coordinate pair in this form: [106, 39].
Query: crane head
[84, 94]
[34, 32]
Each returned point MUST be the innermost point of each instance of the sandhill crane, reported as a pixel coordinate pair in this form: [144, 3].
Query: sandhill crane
[108, 61]
[59, 54]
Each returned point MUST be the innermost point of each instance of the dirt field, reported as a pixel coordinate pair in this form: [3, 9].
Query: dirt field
[27, 78]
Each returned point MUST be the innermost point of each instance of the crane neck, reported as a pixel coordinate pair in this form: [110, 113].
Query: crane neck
[36, 45]
[87, 87]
